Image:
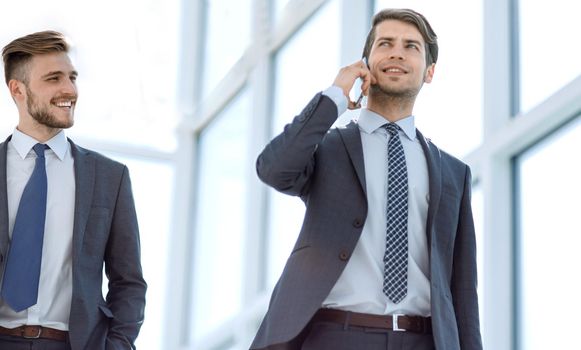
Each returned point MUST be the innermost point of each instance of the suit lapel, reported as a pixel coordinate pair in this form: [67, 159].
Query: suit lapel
[84, 165]
[433, 159]
[352, 140]
[3, 195]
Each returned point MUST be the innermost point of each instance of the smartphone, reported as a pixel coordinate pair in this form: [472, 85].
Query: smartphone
[358, 102]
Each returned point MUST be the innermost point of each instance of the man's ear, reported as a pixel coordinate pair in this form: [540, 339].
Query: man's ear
[17, 89]
[429, 73]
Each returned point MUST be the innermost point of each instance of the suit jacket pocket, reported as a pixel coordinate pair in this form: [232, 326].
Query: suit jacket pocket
[450, 203]
[97, 232]
[299, 248]
[452, 191]
[106, 311]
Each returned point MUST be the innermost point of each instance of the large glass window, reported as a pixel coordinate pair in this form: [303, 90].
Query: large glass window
[549, 52]
[449, 110]
[227, 36]
[299, 77]
[220, 219]
[152, 183]
[278, 7]
[549, 240]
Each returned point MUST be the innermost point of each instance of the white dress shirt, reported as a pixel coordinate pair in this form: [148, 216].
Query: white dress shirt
[360, 286]
[55, 285]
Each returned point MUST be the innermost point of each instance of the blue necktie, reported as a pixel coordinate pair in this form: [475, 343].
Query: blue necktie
[395, 259]
[20, 284]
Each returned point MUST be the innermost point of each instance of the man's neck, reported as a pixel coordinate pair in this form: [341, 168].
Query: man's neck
[392, 108]
[38, 132]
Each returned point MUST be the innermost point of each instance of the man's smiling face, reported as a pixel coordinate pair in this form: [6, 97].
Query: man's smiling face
[398, 59]
[51, 90]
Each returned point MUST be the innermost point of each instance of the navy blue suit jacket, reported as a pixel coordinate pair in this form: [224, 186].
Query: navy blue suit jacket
[105, 233]
[325, 168]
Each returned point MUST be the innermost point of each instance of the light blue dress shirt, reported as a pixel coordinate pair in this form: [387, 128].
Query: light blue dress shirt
[56, 284]
[360, 286]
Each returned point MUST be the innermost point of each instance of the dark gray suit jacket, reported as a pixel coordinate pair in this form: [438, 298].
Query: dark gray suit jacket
[104, 232]
[325, 168]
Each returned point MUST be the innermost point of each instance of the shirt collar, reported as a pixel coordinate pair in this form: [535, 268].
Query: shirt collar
[24, 143]
[370, 121]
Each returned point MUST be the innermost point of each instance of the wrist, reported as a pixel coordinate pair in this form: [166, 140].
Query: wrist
[336, 94]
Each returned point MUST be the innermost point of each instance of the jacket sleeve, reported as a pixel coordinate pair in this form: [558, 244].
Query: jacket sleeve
[464, 278]
[126, 295]
[287, 162]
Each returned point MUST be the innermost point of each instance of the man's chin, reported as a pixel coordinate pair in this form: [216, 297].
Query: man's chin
[55, 123]
[63, 125]
[391, 91]
[60, 119]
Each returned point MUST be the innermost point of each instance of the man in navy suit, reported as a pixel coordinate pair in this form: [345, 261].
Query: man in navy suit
[386, 256]
[89, 214]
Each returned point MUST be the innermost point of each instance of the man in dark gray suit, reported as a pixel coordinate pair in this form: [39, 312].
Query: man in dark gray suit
[386, 256]
[51, 286]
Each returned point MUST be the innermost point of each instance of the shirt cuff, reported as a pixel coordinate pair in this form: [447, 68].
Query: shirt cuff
[335, 93]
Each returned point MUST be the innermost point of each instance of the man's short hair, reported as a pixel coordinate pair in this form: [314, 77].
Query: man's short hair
[411, 17]
[19, 52]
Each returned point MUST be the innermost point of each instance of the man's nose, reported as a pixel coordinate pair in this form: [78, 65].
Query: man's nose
[397, 53]
[69, 87]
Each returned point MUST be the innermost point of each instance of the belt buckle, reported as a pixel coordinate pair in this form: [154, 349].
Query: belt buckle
[395, 324]
[25, 336]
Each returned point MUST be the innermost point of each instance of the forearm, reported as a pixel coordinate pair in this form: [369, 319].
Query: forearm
[126, 295]
[126, 299]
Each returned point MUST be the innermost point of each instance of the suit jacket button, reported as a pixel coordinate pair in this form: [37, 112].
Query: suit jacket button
[357, 223]
[343, 255]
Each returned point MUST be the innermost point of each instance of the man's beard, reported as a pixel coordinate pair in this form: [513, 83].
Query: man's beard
[42, 115]
[387, 93]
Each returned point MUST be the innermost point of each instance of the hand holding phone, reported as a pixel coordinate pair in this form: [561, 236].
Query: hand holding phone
[346, 79]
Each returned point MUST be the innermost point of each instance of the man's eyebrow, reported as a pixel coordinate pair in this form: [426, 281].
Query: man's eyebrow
[413, 41]
[385, 38]
[55, 72]
[59, 72]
